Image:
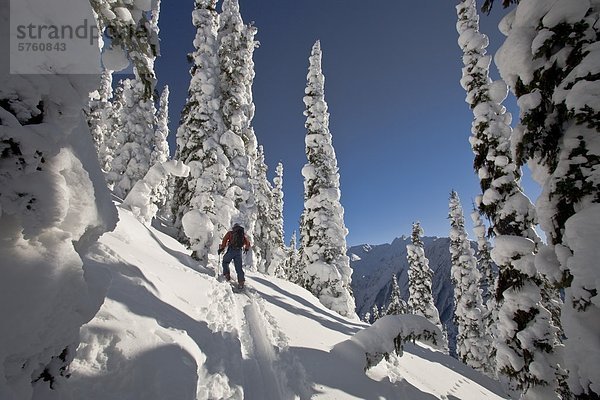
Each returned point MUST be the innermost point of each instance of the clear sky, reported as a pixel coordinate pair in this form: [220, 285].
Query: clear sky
[399, 122]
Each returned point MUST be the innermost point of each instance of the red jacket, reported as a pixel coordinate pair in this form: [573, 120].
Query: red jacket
[229, 236]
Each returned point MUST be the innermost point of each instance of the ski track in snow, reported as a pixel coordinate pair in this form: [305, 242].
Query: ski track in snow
[261, 353]
[262, 344]
[263, 371]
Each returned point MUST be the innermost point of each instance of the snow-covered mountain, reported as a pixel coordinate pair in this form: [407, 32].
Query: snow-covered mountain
[374, 266]
[168, 330]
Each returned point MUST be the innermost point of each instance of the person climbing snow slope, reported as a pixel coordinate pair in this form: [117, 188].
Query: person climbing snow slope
[235, 240]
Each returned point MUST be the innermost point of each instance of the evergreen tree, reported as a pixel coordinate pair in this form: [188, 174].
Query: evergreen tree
[142, 47]
[382, 311]
[326, 265]
[554, 74]
[484, 257]
[367, 317]
[374, 313]
[142, 200]
[264, 223]
[530, 366]
[236, 75]
[200, 142]
[277, 206]
[132, 157]
[472, 343]
[488, 284]
[291, 270]
[114, 129]
[99, 118]
[166, 212]
[276, 234]
[420, 301]
[160, 148]
[397, 305]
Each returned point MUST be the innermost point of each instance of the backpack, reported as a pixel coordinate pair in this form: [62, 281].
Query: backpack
[237, 237]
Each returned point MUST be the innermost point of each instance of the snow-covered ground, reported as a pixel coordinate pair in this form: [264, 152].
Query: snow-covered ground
[169, 330]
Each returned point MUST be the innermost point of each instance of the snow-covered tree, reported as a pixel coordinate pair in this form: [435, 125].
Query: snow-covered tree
[216, 138]
[118, 20]
[420, 300]
[397, 305]
[327, 272]
[136, 136]
[142, 200]
[367, 317]
[472, 343]
[236, 75]
[54, 204]
[291, 270]
[200, 142]
[484, 257]
[99, 118]
[374, 313]
[382, 311]
[264, 224]
[550, 61]
[114, 125]
[526, 337]
[488, 283]
[276, 234]
[160, 147]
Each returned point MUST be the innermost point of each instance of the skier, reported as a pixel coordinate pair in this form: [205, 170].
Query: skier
[235, 240]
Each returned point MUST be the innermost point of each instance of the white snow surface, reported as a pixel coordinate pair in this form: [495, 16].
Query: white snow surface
[169, 330]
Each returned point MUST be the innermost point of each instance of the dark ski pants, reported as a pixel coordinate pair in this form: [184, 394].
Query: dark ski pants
[236, 256]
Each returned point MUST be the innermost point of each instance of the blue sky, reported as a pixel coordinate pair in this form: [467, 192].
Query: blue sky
[399, 122]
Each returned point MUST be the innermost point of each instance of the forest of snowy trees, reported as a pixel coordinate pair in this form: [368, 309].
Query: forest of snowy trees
[527, 310]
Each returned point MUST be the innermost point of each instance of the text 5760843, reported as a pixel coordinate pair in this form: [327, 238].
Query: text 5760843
[35, 47]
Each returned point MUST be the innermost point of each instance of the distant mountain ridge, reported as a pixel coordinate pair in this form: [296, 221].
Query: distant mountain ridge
[374, 265]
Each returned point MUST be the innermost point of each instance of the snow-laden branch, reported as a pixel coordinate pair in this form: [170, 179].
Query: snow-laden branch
[388, 334]
[140, 199]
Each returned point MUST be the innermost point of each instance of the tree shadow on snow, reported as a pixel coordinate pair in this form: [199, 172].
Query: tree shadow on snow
[457, 366]
[102, 272]
[183, 258]
[333, 320]
[326, 369]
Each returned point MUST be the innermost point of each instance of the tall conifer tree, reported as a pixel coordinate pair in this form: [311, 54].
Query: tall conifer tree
[291, 270]
[99, 118]
[472, 343]
[484, 257]
[420, 300]
[529, 366]
[200, 141]
[236, 75]
[323, 232]
[264, 223]
[397, 305]
[276, 254]
[136, 136]
[550, 61]
[488, 284]
[160, 148]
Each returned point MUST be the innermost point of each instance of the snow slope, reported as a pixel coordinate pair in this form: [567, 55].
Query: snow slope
[169, 330]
